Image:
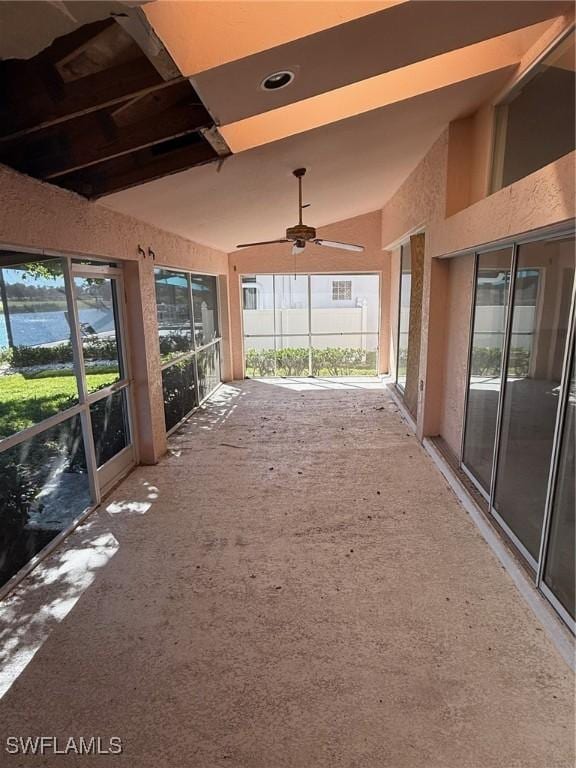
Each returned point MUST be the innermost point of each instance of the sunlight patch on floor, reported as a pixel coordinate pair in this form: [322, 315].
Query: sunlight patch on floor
[47, 596]
[312, 384]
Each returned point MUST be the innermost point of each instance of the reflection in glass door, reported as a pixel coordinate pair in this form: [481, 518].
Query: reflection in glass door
[404, 314]
[540, 316]
[518, 443]
[485, 380]
[559, 576]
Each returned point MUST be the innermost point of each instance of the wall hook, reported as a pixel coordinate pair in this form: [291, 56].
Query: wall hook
[151, 253]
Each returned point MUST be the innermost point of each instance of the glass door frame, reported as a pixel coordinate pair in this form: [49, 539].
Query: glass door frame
[310, 333]
[401, 387]
[192, 354]
[559, 429]
[537, 566]
[99, 480]
[104, 477]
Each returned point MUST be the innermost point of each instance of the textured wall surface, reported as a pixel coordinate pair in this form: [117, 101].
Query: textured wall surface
[38, 215]
[364, 230]
[541, 199]
[420, 199]
[544, 197]
[460, 286]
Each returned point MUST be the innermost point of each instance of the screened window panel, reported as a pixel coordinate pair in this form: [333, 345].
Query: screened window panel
[174, 313]
[44, 486]
[37, 372]
[205, 300]
[180, 391]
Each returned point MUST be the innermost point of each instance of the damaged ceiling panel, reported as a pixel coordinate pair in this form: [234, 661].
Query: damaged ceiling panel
[19, 39]
[102, 108]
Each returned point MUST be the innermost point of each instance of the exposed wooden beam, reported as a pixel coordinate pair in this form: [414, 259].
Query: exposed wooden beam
[95, 92]
[216, 141]
[149, 105]
[89, 144]
[139, 167]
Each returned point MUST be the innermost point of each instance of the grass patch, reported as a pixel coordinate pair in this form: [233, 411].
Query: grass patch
[27, 400]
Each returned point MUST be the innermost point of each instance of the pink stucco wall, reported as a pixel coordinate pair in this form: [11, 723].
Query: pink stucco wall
[545, 197]
[364, 230]
[420, 199]
[541, 199]
[41, 216]
[38, 215]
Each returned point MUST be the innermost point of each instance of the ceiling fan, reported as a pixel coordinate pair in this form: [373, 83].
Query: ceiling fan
[301, 234]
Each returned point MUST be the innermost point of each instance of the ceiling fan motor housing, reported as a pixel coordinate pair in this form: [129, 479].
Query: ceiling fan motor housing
[301, 232]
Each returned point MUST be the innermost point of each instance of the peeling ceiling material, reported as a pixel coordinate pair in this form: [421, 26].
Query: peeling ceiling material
[94, 113]
[21, 39]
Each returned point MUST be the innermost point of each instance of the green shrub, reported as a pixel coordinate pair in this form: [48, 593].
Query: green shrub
[292, 361]
[334, 361]
[174, 345]
[486, 361]
[23, 357]
[94, 349]
[5, 355]
[261, 362]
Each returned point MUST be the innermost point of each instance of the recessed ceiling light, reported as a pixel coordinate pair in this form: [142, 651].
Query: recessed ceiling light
[277, 80]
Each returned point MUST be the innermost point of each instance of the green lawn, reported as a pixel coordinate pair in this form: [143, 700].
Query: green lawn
[26, 399]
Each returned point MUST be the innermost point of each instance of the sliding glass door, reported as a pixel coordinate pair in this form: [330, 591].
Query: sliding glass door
[485, 380]
[311, 325]
[538, 330]
[518, 444]
[558, 570]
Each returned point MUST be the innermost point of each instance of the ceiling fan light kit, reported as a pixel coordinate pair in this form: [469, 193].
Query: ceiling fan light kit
[301, 233]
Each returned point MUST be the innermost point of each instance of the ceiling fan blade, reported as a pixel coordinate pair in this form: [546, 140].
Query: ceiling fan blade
[336, 244]
[264, 242]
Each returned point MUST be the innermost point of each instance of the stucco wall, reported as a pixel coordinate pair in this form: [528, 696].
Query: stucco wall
[364, 230]
[420, 199]
[543, 198]
[460, 285]
[37, 215]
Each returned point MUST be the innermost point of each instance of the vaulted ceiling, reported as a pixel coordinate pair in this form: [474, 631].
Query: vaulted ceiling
[157, 108]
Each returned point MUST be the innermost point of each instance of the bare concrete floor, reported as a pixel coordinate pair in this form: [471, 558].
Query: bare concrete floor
[294, 586]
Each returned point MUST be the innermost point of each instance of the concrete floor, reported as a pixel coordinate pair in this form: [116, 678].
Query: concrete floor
[293, 586]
